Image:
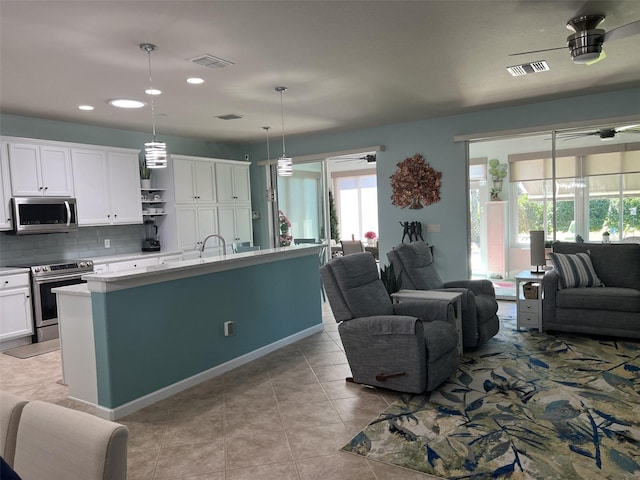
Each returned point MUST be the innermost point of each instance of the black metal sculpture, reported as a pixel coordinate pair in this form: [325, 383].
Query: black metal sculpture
[412, 230]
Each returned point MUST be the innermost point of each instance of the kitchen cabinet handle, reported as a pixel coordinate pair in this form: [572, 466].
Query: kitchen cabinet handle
[46, 188]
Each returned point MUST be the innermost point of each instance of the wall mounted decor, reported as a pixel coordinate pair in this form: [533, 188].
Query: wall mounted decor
[413, 230]
[415, 183]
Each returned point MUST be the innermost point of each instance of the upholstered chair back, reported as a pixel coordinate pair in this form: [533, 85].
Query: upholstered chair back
[354, 288]
[413, 266]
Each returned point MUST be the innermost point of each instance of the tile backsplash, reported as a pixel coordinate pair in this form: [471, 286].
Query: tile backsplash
[86, 243]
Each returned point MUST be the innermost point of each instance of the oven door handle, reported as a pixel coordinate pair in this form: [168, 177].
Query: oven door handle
[66, 204]
[55, 278]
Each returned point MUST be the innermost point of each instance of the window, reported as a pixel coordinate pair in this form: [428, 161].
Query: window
[357, 204]
[596, 191]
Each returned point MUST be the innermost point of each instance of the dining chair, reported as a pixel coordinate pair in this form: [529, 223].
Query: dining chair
[351, 246]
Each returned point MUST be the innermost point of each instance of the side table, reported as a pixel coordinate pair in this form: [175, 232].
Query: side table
[529, 311]
[448, 297]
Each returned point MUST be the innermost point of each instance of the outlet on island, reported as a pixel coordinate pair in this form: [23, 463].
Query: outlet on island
[228, 329]
[107, 243]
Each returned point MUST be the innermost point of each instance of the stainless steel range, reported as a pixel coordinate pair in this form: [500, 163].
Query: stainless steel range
[43, 279]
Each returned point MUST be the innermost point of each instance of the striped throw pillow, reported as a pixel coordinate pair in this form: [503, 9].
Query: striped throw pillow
[575, 270]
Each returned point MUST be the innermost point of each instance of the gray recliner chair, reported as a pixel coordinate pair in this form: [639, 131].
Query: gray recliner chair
[414, 270]
[408, 347]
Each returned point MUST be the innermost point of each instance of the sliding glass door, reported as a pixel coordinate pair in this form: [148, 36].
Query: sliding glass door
[575, 184]
[301, 205]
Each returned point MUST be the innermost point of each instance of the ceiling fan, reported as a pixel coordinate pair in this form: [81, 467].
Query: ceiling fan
[369, 158]
[603, 133]
[585, 44]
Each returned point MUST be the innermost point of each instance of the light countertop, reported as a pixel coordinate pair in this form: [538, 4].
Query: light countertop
[110, 281]
[132, 256]
[13, 270]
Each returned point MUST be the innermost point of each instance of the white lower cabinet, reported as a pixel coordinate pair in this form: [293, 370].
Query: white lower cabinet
[132, 264]
[15, 307]
[235, 224]
[195, 223]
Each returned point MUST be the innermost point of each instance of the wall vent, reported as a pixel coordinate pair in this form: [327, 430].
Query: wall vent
[229, 116]
[527, 68]
[210, 61]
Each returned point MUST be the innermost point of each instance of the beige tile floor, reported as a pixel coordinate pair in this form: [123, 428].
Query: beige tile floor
[284, 416]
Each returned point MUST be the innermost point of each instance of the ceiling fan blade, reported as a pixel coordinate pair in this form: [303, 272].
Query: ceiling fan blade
[633, 128]
[623, 31]
[602, 56]
[537, 51]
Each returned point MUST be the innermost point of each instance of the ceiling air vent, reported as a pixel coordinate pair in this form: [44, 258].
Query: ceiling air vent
[210, 61]
[527, 68]
[229, 116]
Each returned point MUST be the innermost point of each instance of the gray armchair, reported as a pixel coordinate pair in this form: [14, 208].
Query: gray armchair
[407, 347]
[414, 269]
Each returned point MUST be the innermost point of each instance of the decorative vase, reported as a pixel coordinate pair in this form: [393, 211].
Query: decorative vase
[415, 204]
[145, 183]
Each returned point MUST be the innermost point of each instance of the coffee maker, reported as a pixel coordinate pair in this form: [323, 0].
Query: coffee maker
[150, 242]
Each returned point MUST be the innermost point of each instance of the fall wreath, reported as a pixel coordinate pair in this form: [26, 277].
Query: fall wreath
[415, 183]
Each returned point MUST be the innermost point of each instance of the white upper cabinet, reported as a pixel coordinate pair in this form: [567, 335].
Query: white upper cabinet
[232, 182]
[107, 187]
[40, 170]
[5, 191]
[124, 180]
[194, 180]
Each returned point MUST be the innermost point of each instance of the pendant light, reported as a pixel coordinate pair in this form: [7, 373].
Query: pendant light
[271, 193]
[285, 164]
[155, 153]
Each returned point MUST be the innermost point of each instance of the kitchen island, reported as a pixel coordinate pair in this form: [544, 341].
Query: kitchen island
[160, 329]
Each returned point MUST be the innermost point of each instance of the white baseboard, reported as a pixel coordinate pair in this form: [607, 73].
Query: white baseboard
[151, 398]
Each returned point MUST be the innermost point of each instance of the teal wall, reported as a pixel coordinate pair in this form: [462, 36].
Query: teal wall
[30, 127]
[149, 337]
[88, 241]
[433, 139]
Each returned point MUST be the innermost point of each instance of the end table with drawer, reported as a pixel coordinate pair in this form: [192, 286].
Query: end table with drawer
[449, 297]
[529, 314]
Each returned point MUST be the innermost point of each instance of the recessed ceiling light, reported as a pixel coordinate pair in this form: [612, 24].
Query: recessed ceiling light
[195, 81]
[126, 103]
[153, 91]
[85, 107]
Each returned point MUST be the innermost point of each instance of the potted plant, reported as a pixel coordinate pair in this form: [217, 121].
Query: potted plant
[145, 175]
[371, 238]
[388, 277]
[285, 225]
[497, 171]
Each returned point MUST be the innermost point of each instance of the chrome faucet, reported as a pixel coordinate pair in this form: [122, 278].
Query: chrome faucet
[204, 242]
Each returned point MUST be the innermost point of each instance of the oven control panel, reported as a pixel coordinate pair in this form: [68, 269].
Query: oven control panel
[60, 268]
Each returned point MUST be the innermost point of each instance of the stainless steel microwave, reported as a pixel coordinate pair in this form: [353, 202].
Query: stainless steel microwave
[33, 215]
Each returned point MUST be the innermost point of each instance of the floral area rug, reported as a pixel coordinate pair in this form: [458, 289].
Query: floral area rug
[525, 405]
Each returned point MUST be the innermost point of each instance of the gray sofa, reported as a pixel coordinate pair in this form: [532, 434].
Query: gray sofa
[612, 309]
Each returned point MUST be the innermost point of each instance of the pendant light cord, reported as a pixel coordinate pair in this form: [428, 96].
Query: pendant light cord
[153, 110]
[282, 90]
